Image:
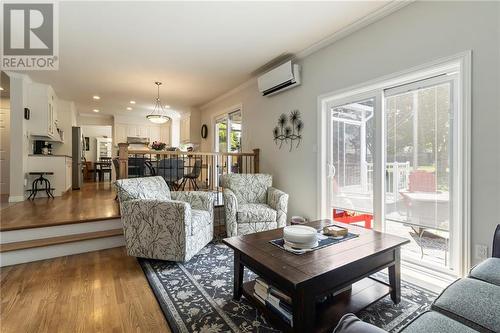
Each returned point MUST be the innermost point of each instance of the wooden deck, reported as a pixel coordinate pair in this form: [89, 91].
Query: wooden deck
[93, 202]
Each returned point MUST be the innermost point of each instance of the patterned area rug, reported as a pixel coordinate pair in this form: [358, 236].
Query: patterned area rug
[197, 296]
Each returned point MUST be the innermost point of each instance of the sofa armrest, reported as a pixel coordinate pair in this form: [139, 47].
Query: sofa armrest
[197, 199]
[278, 200]
[230, 208]
[349, 323]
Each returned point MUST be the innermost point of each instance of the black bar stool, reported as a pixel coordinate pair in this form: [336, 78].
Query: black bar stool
[42, 181]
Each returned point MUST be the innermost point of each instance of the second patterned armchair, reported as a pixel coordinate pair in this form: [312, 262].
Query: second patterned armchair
[252, 204]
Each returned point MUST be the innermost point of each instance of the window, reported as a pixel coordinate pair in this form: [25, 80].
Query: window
[393, 157]
[228, 140]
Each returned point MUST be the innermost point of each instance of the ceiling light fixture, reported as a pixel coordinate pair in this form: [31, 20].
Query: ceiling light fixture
[96, 110]
[1, 89]
[158, 115]
[133, 102]
[129, 108]
[167, 106]
[96, 97]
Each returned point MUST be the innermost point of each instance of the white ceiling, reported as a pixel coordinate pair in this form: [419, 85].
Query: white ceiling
[198, 49]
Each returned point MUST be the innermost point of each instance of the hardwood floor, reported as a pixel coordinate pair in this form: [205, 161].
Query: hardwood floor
[94, 201]
[102, 291]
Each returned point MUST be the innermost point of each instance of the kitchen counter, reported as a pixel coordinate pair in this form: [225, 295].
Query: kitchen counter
[42, 155]
[60, 165]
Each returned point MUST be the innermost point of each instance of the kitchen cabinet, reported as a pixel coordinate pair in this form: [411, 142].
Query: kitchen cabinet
[155, 134]
[120, 133]
[42, 102]
[185, 129]
[190, 128]
[103, 146]
[152, 132]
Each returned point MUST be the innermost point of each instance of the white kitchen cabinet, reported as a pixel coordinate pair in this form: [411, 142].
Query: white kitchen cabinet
[155, 134]
[42, 102]
[165, 134]
[132, 131]
[120, 133]
[143, 131]
[185, 129]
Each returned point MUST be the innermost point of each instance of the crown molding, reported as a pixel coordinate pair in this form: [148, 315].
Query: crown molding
[342, 33]
[366, 20]
[228, 93]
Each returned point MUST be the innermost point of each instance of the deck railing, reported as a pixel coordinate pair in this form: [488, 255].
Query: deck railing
[185, 170]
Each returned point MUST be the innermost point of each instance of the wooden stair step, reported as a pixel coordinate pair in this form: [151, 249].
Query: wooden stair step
[59, 240]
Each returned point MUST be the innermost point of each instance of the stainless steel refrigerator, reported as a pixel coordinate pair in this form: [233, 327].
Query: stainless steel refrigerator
[77, 157]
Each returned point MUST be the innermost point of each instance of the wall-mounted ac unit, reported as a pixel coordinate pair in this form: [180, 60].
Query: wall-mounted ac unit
[281, 78]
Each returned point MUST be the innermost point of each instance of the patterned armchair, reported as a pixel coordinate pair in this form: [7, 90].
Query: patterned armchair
[159, 224]
[252, 204]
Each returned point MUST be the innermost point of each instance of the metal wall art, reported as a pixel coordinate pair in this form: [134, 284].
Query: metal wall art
[289, 130]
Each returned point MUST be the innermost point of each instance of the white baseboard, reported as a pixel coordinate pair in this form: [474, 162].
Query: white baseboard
[59, 250]
[16, 198]
[58, 230]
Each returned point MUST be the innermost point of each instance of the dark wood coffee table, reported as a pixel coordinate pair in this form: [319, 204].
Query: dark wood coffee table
[310, 279]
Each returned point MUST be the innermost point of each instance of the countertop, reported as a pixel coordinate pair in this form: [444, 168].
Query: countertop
[42, 155]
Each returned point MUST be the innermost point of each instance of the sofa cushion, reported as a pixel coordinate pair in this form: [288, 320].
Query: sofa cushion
[472, 302]
[199, 220]
[349, 323]
[435, 322]
[149, 188]
[248, 188]
[250, 213]
[488, 271]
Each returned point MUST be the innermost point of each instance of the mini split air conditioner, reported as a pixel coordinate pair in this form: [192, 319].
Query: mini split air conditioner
[281, 78]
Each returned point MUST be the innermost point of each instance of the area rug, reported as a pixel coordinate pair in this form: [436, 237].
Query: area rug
[196, 296]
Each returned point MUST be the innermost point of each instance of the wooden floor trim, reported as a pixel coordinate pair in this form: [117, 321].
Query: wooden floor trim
[59, 240]
[62, 222]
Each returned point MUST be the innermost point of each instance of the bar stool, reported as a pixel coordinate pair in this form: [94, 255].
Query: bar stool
[42, 181]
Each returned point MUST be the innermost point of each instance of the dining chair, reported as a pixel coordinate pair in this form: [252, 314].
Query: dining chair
[192, 176]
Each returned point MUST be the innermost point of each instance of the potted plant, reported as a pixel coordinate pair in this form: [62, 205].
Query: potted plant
[157, 145]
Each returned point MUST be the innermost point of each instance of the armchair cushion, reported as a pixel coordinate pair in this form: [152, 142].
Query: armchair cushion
[200, 219]
[197, 199]
[151, 188]
[248, 188]
[249, 213]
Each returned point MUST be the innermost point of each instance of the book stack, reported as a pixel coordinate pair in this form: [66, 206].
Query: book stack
[274, 299]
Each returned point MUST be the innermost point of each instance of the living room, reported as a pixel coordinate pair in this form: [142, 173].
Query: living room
[381, 116]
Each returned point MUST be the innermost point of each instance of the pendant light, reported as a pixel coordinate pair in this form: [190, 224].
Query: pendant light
[158, 115]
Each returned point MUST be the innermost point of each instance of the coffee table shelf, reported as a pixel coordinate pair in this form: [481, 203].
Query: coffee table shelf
[364, 293]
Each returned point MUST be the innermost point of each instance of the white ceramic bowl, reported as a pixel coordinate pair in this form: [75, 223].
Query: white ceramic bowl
[300, 234]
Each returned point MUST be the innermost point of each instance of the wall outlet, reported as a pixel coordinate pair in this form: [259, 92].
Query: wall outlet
[481, 251]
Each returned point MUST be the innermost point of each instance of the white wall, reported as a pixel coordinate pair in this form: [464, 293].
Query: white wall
[419, 33]
[4, 143]
[93, 132]
[19, 138]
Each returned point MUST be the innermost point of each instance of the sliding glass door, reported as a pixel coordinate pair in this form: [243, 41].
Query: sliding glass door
[228, 140]
[419, 148]
[391, 161]
[351, 151]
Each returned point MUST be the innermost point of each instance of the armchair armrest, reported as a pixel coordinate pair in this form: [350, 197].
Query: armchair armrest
[197, 199]
[149, 225]
[230, 208]
[278, 200]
